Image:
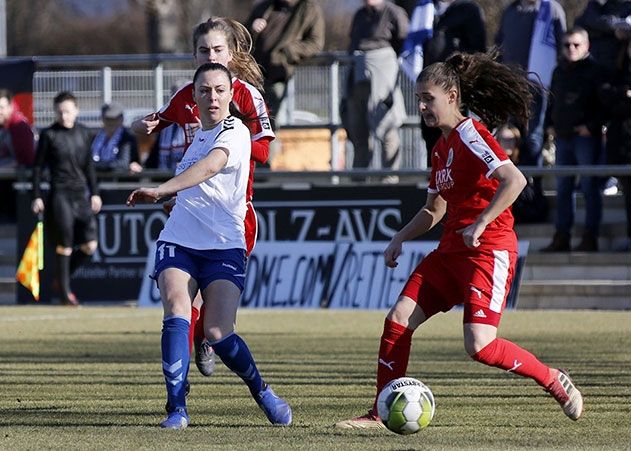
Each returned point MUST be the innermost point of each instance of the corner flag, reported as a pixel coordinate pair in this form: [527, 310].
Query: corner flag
[32, 261]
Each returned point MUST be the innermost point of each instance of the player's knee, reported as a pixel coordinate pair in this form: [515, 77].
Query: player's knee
[176, 304]
[214, 333]
[407, 313]
[89, 248]
[473, 344]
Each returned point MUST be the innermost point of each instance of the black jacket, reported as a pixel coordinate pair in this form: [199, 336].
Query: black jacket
[66, 152]
[574, 99]
[460, 28]
[616, 95]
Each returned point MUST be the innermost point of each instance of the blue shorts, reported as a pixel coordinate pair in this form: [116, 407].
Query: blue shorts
[205, 266]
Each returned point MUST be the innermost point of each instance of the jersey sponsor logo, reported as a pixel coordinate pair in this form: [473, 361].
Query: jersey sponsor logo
[189, 107]
[444, 181]
[265, 123]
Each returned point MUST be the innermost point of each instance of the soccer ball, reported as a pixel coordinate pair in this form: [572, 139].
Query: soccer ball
[406, 405]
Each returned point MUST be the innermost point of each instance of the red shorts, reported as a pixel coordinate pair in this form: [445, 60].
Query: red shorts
[480, 280]
[251, 228]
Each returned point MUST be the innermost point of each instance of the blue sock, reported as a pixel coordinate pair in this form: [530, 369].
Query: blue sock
[175, 358]
[234, 353]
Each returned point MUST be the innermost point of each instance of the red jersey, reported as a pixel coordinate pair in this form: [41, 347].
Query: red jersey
[462, 166]
[181, 109]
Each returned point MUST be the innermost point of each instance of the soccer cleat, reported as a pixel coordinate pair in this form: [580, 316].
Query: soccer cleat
[367, 421]
[204, 357]
[70, 299]
[276, 409]
[187, 390]
[178, 419]
[566, 394]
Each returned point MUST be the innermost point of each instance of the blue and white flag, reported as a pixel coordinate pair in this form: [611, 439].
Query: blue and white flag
[543, 47]
[421, 29]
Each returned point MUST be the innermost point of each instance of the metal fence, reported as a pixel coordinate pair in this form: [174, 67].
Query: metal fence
[142, 84]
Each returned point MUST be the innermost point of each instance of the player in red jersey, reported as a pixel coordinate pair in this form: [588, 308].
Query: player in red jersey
[227, 42]
[475, 183]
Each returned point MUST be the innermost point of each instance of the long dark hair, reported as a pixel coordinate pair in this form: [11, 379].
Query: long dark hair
[493, 91]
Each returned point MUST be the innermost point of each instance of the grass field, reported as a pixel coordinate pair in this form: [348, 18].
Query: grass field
[91, 378]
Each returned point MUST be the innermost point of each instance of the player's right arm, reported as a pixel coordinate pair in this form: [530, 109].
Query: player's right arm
[168, 114]
[146, 125]
[427, 217]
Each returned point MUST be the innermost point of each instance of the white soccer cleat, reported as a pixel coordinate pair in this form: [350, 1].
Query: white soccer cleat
[567, 395]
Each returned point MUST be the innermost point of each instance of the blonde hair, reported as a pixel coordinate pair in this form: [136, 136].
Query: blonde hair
[243, 65]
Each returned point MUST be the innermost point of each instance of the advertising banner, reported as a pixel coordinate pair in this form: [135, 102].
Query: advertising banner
[317, 248]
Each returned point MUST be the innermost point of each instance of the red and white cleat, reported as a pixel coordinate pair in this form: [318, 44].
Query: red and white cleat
[567, 395]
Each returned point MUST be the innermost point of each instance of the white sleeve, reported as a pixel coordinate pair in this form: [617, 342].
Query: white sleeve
[236, 139]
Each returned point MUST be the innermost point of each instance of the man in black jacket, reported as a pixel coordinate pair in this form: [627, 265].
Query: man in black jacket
[575, 120]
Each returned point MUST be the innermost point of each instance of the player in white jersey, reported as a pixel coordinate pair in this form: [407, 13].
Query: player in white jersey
[203, 247]
[225, 41]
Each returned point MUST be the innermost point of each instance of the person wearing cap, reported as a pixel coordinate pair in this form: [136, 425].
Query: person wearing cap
[114, 147]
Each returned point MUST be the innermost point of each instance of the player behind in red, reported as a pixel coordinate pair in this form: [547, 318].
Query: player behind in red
[227, 42]
[475, 183]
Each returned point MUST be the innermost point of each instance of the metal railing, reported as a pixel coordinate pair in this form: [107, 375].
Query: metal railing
[142, 84]
[409, 176]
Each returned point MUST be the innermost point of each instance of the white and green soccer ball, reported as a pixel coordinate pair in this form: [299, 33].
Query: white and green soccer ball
[406, 405]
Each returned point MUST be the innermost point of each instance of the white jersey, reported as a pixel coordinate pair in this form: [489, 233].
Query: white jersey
[210, 215]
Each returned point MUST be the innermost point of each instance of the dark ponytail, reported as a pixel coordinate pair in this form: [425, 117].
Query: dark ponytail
[493, 91]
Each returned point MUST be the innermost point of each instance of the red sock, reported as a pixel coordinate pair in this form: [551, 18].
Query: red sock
[191, 329]
[199, 327]
[508, 356]
[394, 353]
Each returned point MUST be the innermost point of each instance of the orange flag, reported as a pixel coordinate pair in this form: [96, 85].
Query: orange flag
[32, 261]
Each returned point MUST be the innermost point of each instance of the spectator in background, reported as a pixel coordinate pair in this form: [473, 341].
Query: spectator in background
[458, 27]
[73, 201]
[17, 145]
[605, 22]
[114, 147]
[616, 95]
[530, 205]
[284, 33]
[574, 118]
[373, 109]
[169, 148]
[529, 36]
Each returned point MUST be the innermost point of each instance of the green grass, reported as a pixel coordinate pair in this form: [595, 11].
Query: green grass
[91, 378]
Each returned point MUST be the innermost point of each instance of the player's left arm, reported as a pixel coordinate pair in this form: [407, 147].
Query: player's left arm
[260, 149]
[512, 182]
